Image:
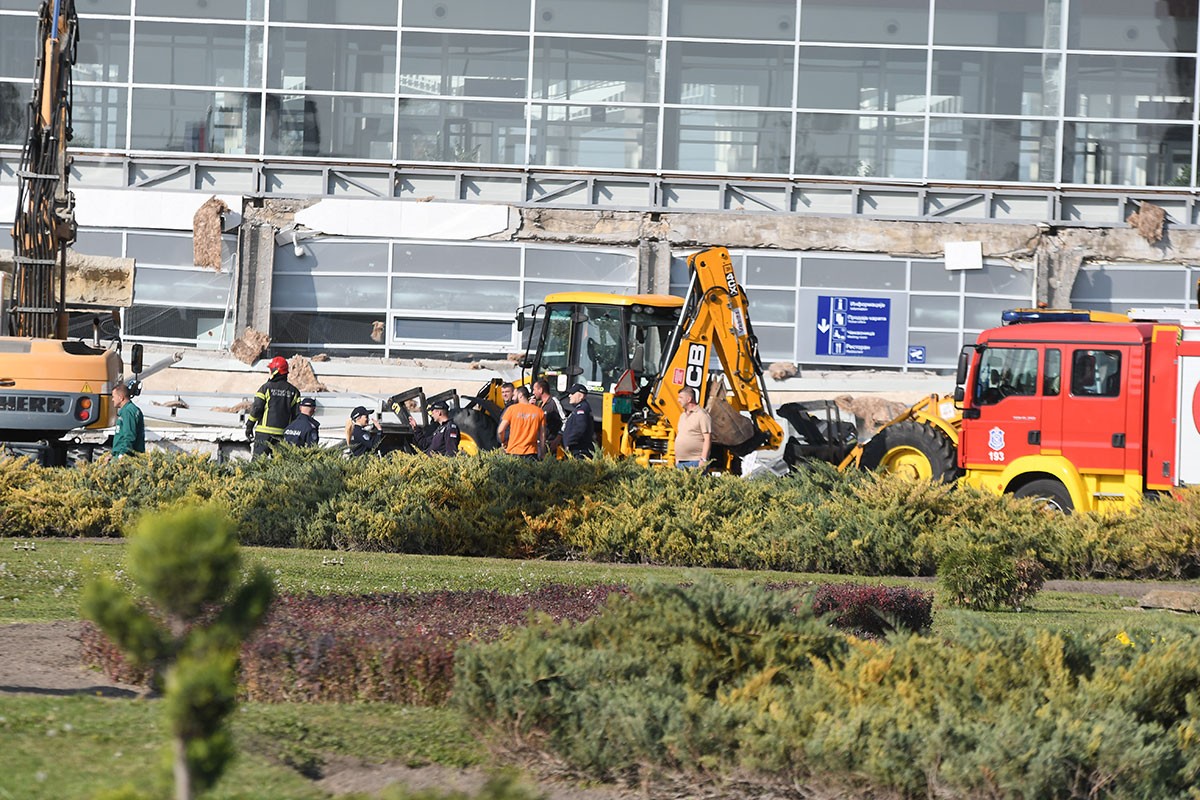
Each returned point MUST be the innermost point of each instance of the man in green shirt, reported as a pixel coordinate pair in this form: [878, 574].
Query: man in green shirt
[131, 427]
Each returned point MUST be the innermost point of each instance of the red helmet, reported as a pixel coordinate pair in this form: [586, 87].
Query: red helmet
[278, 364]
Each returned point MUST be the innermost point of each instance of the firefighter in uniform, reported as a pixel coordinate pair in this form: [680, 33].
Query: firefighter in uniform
[445, 438]
[304, 430]
[276, 404]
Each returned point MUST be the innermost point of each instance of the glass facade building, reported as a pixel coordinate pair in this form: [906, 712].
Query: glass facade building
[1028, 95]
[1059, 92]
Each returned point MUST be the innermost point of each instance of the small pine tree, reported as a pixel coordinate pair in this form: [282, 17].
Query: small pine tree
[185, 566]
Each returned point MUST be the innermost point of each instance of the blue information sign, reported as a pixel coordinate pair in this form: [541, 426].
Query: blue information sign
[854, 327]
[916, 354]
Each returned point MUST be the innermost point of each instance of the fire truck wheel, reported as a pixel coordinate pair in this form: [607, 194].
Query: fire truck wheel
[1051, 494]
[913, 450]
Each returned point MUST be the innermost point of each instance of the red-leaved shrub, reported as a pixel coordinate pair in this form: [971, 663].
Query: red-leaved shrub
[872, 611]
[387, 647]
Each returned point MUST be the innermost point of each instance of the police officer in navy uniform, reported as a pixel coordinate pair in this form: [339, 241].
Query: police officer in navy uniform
[445, 438]
[304, 430]
[275, 406]
[579, 429]
[365, 433]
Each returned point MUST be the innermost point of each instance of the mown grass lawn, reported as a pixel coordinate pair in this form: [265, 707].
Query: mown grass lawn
[73, 747]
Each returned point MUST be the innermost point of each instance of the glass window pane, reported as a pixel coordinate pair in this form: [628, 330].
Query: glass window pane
[629, 17]
[581, 266]
[1006, 372]
[772, 305]
[595, 69]
[745, 19]
[18, 46]
[770, 271]
[996, 279]
[291, 327]
[1151, 25]
[14, 98]
[343, 127]
[251, 10]
[980, 313]
[171, 322]
[199, 122]
[711, 140]
[452, 131]
[336, 12]
[1096, 373]
[597, 137]
[852, 273]
[991, 149]
[98, 117]
[862, 78]
[332, 256]
[1132, 155]
[181, 287]
[776, 342]
[484, 332]
[932, 276]
[1131, 285]
[874, 21]
[932, 312]
[152, 248]
[972, 82]
[484, 15]
[1013, 23]
[93, 7]
[442, 259]
[458, 295]
[463, 64]
[859, 145]
[536, 291]
[1140, 87]
[328, 291]
[98, 243]
[329, 59]
[102, 53]
[730, 74]
[201, 55]
[941, 349]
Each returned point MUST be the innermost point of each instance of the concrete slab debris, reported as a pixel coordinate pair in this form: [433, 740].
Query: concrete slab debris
[249, 346]
[1148, 222]
[206, 233]
[301, 375]
[782, 370]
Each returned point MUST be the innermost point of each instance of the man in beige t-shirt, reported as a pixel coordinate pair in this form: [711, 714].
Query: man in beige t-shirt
[693, 438]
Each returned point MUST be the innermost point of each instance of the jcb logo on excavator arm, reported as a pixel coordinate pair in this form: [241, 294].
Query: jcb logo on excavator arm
[697, 362]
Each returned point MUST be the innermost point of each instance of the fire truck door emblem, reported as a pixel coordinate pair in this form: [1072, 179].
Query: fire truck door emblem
[996, 439]
[1196, 407]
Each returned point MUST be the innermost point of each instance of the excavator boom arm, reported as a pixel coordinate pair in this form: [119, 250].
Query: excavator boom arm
[715, 316]
[45, 218]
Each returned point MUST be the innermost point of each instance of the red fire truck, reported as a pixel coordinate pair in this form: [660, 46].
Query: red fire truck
[1088, 411]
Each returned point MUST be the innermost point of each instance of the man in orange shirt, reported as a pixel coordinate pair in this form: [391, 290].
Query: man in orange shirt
[525, 425]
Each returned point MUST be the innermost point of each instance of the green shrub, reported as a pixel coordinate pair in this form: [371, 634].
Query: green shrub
[678, 699]
[985, 577]
[818, 520]
[728, 682]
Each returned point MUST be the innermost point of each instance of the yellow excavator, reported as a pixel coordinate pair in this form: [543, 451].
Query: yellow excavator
[49, 386]
[634, 353]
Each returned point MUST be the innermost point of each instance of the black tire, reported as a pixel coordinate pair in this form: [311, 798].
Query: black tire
[1053, 496]
[912, 448]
